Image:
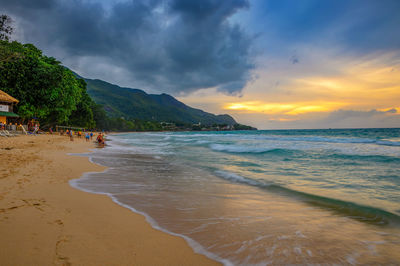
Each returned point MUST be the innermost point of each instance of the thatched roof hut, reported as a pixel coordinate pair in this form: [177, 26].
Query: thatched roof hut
[6, 107]
[4, 97]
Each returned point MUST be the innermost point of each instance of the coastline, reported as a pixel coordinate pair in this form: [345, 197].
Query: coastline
[43, 220]
[204, 186]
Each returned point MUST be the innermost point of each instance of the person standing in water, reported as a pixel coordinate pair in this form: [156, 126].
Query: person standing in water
[100, 140]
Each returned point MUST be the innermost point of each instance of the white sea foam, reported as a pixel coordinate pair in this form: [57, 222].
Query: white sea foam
[340, 148]
[192, 243]
[388, 143]
[237, 178]
[262, 137]
[203, 141]
[242, 159]
[161, 149]
[240, 148]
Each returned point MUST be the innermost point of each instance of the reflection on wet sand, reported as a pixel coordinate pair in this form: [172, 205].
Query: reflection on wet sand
[244, 224]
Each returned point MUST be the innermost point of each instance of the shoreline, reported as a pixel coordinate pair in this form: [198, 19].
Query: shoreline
[195, 246]
[44, 220]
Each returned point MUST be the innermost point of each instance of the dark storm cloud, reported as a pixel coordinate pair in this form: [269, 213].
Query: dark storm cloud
[26, 4]
[171, 45]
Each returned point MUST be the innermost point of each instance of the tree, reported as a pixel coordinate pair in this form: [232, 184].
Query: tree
[5, 27]
[46, 90]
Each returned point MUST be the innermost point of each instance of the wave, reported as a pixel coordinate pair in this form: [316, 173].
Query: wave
[348, 209]
[353, 140]
[388, 143]
[367, 157]
[198, 138]
[244, 149]
[381, 155]
[238, 179]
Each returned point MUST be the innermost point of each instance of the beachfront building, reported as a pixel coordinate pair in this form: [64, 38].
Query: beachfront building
[6, 108]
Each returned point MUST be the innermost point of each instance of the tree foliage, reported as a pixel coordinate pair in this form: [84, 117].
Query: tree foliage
[121, 124]
[53, 94]
[46, 90]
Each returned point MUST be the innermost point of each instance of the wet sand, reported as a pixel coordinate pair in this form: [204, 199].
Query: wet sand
[243, 225]
[44, 221]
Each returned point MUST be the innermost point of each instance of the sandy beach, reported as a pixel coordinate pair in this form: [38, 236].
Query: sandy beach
[44, 221]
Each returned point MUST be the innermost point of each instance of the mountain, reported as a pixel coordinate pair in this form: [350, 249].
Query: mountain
[137, 104]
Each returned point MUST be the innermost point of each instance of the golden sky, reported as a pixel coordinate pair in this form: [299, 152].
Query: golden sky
[291, 95]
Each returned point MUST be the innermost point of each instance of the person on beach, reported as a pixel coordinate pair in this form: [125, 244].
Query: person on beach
[87, 136]
[100, 140]
[30, 125]
[71, 135]
[36, 129]
[91, 135]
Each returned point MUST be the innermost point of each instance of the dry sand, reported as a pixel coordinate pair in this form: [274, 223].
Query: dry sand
[44, 221]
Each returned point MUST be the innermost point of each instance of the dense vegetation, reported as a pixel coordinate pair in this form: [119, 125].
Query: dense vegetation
[52, 93]
[46, 90]
[137, 104]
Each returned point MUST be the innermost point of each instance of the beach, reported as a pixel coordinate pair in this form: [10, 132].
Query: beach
[45, 221]
[262, 197]
[189, 198]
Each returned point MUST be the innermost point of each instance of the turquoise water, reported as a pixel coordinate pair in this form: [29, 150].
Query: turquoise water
[259, 197]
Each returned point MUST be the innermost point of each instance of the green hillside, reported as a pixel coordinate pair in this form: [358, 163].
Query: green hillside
[54, 95]
[137, 104]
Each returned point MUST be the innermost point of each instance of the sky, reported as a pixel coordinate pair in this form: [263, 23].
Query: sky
[272, 64]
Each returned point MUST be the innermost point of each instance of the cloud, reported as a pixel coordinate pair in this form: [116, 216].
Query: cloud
[344, 114]
[342, 118]
[371, 118]
[172, 45]
[392, 110]
[356, 27]
[294, 59]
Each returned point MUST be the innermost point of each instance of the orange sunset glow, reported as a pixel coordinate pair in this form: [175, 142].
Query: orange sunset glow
[369, 86]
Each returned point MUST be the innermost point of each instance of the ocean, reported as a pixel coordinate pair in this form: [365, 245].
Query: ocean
[328, 196]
